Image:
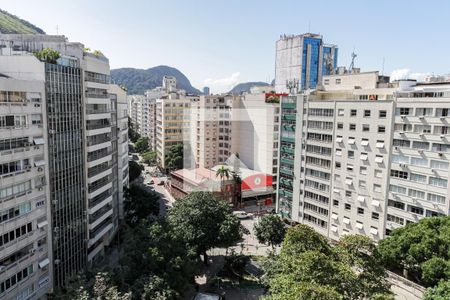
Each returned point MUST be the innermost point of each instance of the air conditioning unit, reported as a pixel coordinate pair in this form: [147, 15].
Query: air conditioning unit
[40, 189]
[32, 250]
[403, 165]
[421, 135]
[396, 148]
[403, 117]
[421, 117]
[402, 133]
[40, 169]
[2, 268]
[442, 118]
[442, 136]
[420, 151]
[441, 154]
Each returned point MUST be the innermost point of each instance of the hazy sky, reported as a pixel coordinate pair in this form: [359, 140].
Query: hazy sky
[221, 43]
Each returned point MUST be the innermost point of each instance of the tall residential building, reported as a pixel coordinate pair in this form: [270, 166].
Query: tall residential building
[25, 217]
[85, 135]
[211, 129]
[304, 59]
[172, 122]
[365, 156]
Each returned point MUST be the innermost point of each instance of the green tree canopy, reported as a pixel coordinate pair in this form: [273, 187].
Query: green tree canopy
[139, 204]
[149, 157]
[134, 170]
[439, 292]
[47, 55]
[350, 270]
[204, 221]
[174, 158]
[142, 144]
[270, 230]
[412, 246]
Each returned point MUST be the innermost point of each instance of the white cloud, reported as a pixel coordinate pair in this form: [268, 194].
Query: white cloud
[406, 74]
[222, 84]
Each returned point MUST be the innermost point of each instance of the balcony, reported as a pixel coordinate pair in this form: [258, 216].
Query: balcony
[287, 172]
[287, 161]
[287, 139]
[289, 105]
[289, 117]
[287, 150]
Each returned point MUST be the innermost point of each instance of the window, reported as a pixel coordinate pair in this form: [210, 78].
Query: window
[436, 198]
[382, 114]
[348, 193]
[424, 112]
[377, 188]
[375, 216]
[416, 194]
[360, 211]
[442, 112]
[381, 129]
[366, 113]
[403, 111]
[326, 81]
[353, 113]
[439, 182]
[399, 174]
[337, 164]
[441, 165]
[348, 206]
[420, 145]
[396, 204]
[418, 178]
[338, 81]
[397, 189]
[400, 159]
[351, 154]
[363, 170]
[352, 127]
[395, 219]
[415, 210]
[401, 143]
[365, 127]
[340, 112]
[362, 184]
[416, 161]
[349, 168]
[335, 202]
[340, 125]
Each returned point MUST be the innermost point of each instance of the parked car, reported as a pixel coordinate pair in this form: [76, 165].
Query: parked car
[207, 296]
[240, 214]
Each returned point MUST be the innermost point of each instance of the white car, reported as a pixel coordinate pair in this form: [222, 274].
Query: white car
[240, 214]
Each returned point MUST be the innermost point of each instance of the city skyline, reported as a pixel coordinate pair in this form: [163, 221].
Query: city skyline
[214, 55]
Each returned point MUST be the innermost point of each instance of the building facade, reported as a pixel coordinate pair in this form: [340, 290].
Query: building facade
[359, 160]
[84, 137]
[303, 59]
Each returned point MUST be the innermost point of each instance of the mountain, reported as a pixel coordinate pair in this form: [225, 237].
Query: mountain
[137, 81]
[246, 86]
[12, 24]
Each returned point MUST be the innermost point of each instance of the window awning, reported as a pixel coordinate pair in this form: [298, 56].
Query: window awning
[374, 231]
[337, 191]
[339, 140]
[375, 203]
[346, 220]
[379, 160]
[338, 152]
[38, 141]
[380, 145]
[351, 141]
[334, 216]
[364, 143]
[361, 198]
[359, 225]
[44, 263]
[334, 228]
[39, 163]
[363, 157]
[42, 224]
[348, 182]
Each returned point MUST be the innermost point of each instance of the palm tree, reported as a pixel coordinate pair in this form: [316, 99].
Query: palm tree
[223, 173]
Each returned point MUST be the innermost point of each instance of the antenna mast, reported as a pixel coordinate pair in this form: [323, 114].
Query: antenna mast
[352, 64]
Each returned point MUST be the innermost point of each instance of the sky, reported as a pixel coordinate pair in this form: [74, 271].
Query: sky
[219, 43]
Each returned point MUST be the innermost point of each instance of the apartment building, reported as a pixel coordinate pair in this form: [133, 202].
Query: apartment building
[172, 123]
[85, 134]
[25, 238]
[342, 169]
[303, 60]
[211, 129]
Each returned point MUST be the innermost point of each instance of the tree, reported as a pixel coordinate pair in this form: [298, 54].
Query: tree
[439, 292]
[134, 170]
[47, 55]
[132, 131]
[149, 157]
[142, 144]
[434, 270]
[351, 270]
[223, 173]
[139, 204]
[204, 222]
[174, 158]
[409, 248]
[270, 230]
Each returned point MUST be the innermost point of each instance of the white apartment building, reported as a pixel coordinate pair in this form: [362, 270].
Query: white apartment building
[360, 159]
[25, 238]
[84, 135]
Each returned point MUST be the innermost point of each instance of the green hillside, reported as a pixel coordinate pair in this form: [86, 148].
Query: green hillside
[13, 24]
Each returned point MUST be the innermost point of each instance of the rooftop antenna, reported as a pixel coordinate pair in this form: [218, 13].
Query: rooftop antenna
[382, 68]
[292, 86]
[352, 64]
